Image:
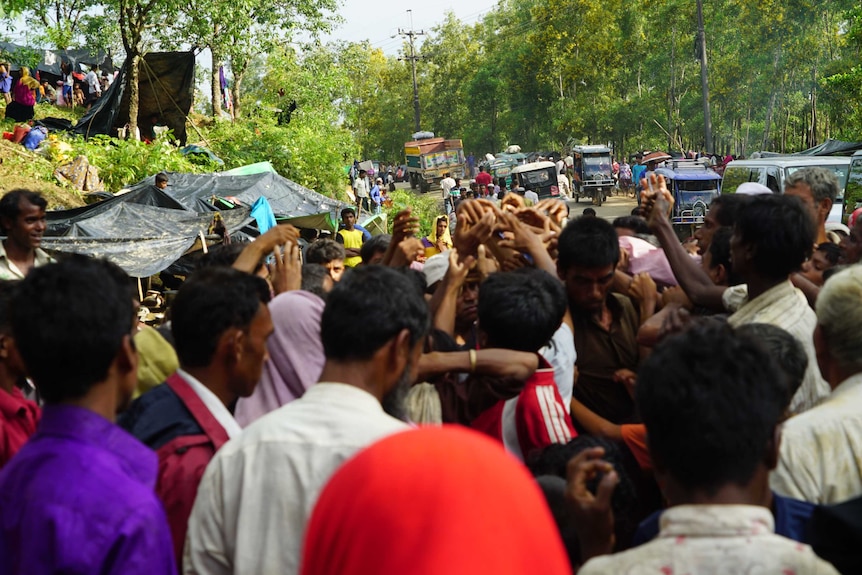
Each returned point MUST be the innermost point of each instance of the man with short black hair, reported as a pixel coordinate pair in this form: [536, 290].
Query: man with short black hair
[220, 323]
[22, 218]
[360, 191]
[605, 323]
[522, 311]
[78, 497]
[373, 250]
[350, 237]
[329, 254]
[711, 401]
[258, 491]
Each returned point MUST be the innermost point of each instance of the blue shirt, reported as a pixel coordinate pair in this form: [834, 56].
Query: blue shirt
[79, 498]
[638, 171]
[5, 83]
[791, 518]
[375, 194]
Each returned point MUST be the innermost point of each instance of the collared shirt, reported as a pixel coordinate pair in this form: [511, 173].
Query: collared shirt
[785, 306]
[361, 188]
[18, 419]
[78, 498]
[213, 404]
[258, 491]
[601, 353]
[9, 271]
[821, 449]
[713, 539]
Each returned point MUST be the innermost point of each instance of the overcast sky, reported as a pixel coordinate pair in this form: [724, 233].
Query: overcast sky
[377, 20]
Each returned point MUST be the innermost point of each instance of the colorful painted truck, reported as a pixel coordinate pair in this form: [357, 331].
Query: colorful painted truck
[428, 159]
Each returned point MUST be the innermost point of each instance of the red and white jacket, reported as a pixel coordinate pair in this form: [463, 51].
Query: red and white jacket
[534, 419]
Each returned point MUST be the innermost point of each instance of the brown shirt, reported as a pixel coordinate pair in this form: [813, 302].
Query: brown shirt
[601, 353]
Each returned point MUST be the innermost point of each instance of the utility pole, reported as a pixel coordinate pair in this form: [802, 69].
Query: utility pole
[704, 83]
[411, 35]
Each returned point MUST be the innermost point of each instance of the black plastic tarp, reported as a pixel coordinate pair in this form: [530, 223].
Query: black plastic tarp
[51, 59]
[146, 229]
[166, 91]
[832, 148]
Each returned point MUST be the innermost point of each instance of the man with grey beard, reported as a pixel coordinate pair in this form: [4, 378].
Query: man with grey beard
[258, 491]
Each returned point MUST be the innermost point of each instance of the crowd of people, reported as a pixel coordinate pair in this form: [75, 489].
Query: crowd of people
[520, 390]
[22, 91]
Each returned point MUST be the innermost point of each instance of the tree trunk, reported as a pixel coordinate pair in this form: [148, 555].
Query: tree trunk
[216, 83]
[235, 91]
[134, 96]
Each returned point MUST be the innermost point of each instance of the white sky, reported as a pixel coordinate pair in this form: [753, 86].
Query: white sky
[377, 20]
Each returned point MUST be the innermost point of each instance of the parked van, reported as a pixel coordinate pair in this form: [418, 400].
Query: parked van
[853, 189]
[773, 173]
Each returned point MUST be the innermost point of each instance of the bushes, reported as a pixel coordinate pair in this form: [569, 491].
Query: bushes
[424, 206]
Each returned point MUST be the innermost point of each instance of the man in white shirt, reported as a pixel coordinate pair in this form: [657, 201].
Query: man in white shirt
[446, 185]
[220, 323]
[361, 191]
[258, 492]
[712, 422]
[821, 449]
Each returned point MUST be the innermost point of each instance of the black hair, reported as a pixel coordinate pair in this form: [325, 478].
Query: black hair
[222, 255]
[521, 310]
[313, 278]
[588, 243]
[635, 223]
[832, 271]
[730, 205]
[77, 312]
[710, 400]
[323, 251]
[369, 307]
[210, 302]
[785, 350]
[781, 232]
[348, 211]
[638, 211]
[308, 234]
[831, 251]
[588, 212]
[161, 177]
[7, 291]
[10, 206]
[719, 251]
[635, 496]
[377, 244]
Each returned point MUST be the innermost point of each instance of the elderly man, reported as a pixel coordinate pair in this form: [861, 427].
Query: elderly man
[817, 188]
[821, 450]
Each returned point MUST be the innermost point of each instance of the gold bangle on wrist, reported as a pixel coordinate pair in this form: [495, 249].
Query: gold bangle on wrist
[472, 361]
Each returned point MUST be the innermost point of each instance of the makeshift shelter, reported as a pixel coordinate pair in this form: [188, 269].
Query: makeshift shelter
[166, 90]
[832, 148]
[50, 61]
[146, 230]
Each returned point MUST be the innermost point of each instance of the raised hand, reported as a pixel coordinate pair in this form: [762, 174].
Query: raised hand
[594, 518]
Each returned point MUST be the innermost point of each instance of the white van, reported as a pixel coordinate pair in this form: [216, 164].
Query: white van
[773, 172]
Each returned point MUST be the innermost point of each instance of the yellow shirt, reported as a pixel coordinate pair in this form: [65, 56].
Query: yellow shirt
[352, 239]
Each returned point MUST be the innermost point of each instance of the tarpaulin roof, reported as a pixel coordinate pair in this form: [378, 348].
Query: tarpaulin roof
[51, 59]
[832, 148]
[146, 229]
[166, 89]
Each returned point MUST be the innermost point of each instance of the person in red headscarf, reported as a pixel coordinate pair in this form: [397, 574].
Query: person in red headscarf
[433, 501]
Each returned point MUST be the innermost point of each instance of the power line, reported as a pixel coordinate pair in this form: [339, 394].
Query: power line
[411, 35]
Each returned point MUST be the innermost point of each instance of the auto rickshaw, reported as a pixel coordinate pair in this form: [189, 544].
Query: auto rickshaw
[693, 186]
[593, 174]
[540, 177]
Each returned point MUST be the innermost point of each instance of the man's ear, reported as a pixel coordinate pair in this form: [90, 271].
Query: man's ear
[127, 356]
[824, 207]
[229, 345]
[720, 274]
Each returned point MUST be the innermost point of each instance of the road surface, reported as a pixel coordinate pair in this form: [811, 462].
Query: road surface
[614, 207]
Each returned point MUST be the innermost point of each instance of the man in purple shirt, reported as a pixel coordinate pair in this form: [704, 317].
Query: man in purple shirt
[79, 496]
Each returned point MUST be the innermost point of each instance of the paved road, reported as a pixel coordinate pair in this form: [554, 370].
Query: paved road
[614, 207]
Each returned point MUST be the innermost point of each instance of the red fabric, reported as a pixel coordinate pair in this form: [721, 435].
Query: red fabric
[18, 419]
[635, 438]
[483, 179]
[432, 501]
[539, 418]
[182, 463]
